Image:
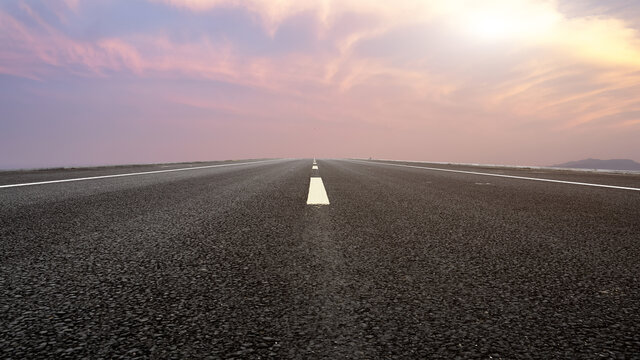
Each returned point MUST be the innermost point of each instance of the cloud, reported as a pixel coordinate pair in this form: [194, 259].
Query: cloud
[513, 68]
[600, 41]
[596, 39]
[31, 51]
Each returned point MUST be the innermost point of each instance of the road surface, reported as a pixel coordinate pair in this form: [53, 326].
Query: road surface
[403, 262]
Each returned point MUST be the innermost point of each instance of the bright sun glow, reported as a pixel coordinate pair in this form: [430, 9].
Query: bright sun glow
[493, 26]
[514, 20]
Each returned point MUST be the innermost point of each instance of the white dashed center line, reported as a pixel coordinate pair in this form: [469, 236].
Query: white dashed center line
[317, 193]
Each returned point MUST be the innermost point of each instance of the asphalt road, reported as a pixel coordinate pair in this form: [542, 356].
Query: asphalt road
[230, 262]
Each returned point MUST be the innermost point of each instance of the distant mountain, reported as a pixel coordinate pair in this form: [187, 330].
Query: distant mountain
[613, 164]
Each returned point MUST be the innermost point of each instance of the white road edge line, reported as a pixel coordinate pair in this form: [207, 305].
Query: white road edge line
[130, 174]
[317, 193]
[505, 176]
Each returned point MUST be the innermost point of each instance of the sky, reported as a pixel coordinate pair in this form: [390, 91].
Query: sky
[524, 82]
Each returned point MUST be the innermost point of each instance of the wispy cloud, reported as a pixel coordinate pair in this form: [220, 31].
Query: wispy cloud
[508, 68]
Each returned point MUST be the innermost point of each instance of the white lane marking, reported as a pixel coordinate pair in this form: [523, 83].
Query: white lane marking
[317, 194]
[314, 167]
[506, 176]
[129, 174]
[314, 161]
[525, 167]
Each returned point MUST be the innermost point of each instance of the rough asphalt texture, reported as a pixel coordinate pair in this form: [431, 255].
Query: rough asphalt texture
[405, 263]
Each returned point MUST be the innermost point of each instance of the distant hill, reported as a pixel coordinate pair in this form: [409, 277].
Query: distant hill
[613, 164]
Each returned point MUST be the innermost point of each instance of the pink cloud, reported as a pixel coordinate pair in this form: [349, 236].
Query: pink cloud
[29, 52]
[450, 100]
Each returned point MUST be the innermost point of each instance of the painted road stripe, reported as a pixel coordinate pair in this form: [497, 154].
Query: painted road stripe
[314, 167]
[317, 194]
[130, 174]
[505, 176]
